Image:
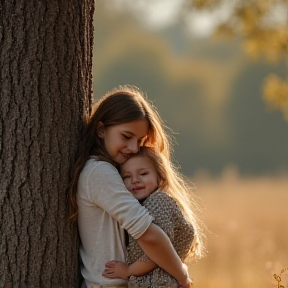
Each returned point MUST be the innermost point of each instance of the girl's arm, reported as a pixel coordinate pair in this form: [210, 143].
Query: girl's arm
[118, 269]
[157, 246]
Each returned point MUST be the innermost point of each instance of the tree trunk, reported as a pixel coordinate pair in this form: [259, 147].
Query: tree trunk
[45, 84]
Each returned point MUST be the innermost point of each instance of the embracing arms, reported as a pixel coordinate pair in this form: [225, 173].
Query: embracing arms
[157, 246]
[105, 184]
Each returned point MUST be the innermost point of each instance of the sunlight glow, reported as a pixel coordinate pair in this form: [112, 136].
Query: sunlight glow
[156, 14]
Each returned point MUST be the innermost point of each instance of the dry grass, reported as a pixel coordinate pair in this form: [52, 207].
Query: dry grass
[248, 243]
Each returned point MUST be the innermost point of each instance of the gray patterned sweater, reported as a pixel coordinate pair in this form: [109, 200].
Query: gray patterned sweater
[170, 218]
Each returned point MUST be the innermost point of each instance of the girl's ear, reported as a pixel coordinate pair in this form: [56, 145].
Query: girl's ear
[100, 129]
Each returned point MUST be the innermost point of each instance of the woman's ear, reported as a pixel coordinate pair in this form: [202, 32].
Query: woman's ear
[100, 129]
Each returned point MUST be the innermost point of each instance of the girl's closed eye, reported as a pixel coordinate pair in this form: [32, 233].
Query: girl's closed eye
[144, 173]
[125, 177]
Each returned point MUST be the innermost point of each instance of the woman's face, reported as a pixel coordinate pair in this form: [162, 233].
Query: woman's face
[123, 140]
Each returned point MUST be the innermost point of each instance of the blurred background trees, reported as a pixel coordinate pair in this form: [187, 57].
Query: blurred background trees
[206, 88]
[263, 27]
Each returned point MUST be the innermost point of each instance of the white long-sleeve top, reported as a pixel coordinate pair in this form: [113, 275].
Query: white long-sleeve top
[105, 209]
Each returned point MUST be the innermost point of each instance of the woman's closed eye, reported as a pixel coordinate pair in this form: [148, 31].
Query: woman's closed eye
[126, 136]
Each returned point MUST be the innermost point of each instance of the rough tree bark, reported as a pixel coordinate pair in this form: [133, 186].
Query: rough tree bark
[45, 84]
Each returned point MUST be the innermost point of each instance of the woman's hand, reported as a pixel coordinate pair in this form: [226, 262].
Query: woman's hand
[186, 282]
[116, 269]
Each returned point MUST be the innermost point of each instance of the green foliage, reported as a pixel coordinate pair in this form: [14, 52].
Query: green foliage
[264, 32]
[276, 93]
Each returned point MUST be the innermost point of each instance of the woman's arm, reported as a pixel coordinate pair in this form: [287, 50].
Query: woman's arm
[157, 246]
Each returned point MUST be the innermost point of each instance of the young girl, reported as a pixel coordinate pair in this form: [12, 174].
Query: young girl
[121, 122]
[146, 175]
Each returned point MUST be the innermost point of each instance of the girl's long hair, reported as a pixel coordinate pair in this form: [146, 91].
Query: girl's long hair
[120, 105]
[173, 182]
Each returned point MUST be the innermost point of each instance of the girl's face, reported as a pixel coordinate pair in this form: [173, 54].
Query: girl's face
[139, 176]
[122, 140]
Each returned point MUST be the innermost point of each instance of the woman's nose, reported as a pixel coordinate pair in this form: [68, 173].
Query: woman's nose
[133, 146]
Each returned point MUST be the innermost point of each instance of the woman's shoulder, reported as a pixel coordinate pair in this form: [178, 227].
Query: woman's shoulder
[97, 167]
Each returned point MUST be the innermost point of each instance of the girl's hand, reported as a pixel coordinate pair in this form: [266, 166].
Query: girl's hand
[116, 269]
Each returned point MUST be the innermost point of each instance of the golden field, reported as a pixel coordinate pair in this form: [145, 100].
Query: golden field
[247, 240]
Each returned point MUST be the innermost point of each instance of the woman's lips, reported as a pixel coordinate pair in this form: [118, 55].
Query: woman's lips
[125, 155]
[138, 188]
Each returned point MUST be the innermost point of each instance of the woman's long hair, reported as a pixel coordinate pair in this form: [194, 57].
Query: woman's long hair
[121, 105]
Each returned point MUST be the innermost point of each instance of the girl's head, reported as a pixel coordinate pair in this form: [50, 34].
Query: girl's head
[144, 172]
[149, 170]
